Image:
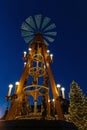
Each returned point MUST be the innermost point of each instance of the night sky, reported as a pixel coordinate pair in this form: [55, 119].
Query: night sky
[69, 47]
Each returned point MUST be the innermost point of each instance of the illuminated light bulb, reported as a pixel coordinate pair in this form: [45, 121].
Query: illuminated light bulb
[63, 92]
[10, 88]
[48, 51]
[48, 100]
[53, 102]
[63, 89]
[25, 53]
[29, 49]
[51, 56]
[58, 85]
[53, 99]
[17, 83]
[47, 64]
[10, 85]
[44, 66]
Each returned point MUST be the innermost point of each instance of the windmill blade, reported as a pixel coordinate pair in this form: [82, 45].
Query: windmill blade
[51, 33]
[30, 21]
[26, 27]
[36, 24]
[49, 38]
[45, 22]
[52, 26]
[28, 39]
[38, 20]
[26, 33]
[46, 42]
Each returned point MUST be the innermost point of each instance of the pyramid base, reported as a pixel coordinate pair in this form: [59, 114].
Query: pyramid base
[36, 124]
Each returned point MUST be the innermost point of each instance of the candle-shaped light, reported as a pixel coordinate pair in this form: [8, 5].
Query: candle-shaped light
[53, 105]
[53, 102]
[16, 86]
[48, 100]
[44, 66]
[47, 64]
[51, 56]
[17, 83]
[53, 99]
[29, 49]
[10, 88]
[25, 53]
[63, 92]
[24, 64]
[58, 87]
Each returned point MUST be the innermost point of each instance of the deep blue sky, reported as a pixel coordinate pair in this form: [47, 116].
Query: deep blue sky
[69, 48]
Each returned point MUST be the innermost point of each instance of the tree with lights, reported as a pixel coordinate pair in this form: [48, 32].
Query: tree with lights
[78, 107]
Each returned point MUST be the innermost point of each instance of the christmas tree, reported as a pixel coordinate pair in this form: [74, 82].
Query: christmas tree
[78, 107]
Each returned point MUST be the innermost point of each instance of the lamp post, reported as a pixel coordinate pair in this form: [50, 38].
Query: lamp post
[10, 89]
[63, 92]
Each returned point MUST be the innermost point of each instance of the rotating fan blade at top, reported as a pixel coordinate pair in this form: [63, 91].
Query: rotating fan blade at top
[28, 39]
[38, 20]
[38, 24]
[45, 22]
[30, 22]
[51, 33]
[49, 39]
[50, 27]
[26, 33]
[26, 27]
